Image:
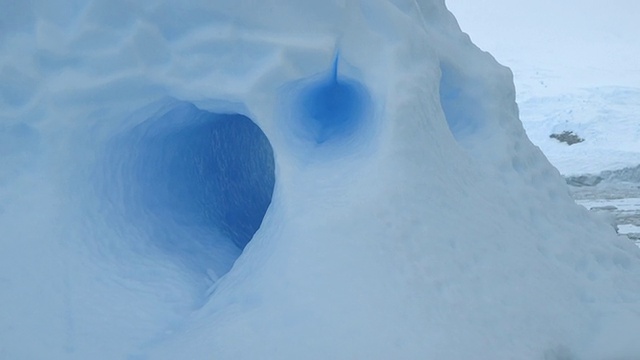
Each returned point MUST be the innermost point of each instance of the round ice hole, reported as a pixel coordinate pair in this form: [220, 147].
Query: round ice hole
[330, 106]
[197, 184]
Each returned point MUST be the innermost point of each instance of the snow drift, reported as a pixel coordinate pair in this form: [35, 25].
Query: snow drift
[302, 179]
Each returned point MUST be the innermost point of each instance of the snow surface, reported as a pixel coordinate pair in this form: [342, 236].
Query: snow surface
[408, 215]
[606, 117]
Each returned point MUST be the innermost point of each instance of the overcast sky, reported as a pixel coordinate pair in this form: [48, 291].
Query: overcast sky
[592, 42]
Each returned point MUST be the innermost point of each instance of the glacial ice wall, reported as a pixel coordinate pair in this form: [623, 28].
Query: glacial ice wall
[285, 179]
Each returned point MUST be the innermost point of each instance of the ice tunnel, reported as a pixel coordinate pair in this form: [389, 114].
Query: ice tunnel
[196, 183]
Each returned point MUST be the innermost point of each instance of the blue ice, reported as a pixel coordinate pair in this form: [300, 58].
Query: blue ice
[332, 106]
[459, 101]
[194, 181]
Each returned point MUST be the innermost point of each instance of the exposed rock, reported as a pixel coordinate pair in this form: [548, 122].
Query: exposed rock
[584, 180]
[568, 137]
[629, 174]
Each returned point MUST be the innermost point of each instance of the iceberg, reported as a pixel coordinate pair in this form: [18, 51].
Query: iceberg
[285, 180]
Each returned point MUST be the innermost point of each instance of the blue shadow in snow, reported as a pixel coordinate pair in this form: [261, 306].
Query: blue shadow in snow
[459, 100]
[331, 107]
[196, 182]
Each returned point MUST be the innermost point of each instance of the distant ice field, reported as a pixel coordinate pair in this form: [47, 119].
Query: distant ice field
[607, 118]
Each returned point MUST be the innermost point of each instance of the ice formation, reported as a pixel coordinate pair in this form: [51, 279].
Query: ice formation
[285, 179]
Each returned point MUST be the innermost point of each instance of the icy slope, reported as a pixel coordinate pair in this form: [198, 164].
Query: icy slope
[303, 179]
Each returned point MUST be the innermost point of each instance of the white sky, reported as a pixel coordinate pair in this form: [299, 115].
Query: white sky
[575, 43]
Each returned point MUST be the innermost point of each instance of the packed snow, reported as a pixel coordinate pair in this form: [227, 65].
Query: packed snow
[289, 180]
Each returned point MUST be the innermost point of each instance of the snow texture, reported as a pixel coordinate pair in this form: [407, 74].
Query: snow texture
[285, 179]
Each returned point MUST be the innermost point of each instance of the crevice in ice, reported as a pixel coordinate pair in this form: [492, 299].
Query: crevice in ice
[459, 100]
[195, 185]
[331, 106]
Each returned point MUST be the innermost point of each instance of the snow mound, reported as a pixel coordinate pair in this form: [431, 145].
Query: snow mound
[285, 179]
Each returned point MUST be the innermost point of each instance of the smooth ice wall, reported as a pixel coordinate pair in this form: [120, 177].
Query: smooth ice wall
[413, 220]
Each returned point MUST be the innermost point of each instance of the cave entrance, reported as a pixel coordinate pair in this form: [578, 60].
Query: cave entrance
[199, 184]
